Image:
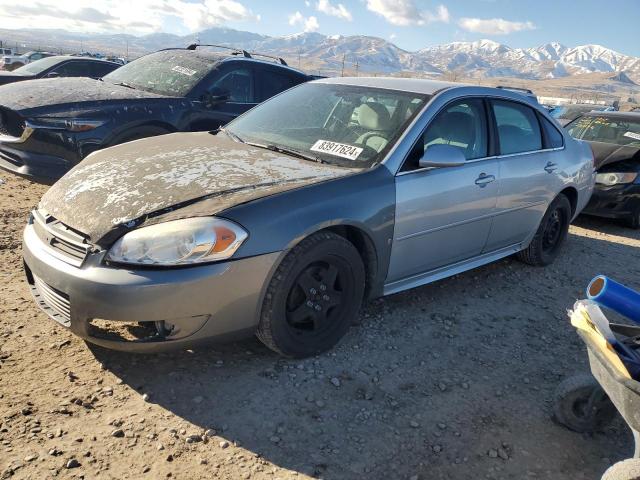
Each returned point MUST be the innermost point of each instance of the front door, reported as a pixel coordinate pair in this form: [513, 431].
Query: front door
[444, 215]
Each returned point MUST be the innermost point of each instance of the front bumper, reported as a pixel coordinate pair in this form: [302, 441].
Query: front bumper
[218, 301]
[39, 168]
[618, 201]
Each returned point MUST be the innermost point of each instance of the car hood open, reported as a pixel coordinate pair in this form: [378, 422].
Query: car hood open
[61, 91]
[607, 153]
[169, 177]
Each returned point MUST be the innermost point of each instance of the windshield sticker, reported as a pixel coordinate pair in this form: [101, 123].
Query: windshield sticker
[184, 70]
[337, 149]
[635, 136]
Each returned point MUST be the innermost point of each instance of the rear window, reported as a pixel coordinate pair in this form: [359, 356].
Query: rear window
[518, 127]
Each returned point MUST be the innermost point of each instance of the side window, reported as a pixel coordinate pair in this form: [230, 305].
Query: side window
[553, 136]
[461, 124]
[239, 83]
[271, 83]
[518, 127]
[99, 70]
[73, 69]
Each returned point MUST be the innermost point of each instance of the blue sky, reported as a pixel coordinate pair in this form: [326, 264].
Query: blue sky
[410, 24]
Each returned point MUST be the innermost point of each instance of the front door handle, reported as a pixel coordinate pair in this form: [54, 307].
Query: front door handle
[550, 167]
[483, 180]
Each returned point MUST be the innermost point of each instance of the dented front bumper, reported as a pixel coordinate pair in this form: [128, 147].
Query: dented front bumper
[210, 302]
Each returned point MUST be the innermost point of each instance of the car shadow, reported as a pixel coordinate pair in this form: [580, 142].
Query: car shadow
[606, 225]
[432, 379]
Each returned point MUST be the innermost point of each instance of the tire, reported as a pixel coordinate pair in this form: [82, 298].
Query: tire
[634, 221]
[137, 134]
[301, 315]
[624, 470]
[581, 405]
[551, 234]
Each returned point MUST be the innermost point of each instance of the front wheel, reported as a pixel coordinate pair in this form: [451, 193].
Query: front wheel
[313, 297]
[634, 220]
[581, 405]
[551, 234]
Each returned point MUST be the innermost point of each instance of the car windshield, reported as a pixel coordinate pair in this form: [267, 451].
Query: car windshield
[38, 66]
[168, 72]
[618, 131]
[569, 112]
[352, 126]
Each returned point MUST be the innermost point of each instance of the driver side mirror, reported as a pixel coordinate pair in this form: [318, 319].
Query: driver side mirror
[215, 96]
[53, 75]
[442, 156]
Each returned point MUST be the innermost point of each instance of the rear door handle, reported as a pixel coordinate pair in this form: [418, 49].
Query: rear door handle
[483, 180]
[550, 167]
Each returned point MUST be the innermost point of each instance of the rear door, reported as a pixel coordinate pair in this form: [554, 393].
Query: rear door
[529, 170]
[443, 215]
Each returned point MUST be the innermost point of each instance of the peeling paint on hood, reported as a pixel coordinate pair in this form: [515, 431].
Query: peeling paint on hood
[60, 91]
[130, 184]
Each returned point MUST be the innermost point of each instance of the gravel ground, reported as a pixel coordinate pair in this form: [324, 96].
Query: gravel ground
[453, 380]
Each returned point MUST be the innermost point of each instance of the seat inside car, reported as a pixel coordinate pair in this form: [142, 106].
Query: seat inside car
[375, 121]
[453, 128]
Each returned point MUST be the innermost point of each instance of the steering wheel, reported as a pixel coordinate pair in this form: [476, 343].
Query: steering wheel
[373, 134]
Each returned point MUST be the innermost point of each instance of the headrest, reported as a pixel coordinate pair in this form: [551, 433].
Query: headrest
[374, 116]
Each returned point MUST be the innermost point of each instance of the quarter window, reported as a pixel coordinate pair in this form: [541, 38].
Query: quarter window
[518, 127]
[554, 137]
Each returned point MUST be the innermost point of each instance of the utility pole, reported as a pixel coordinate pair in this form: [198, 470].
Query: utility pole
[127, 55]
[356, 67]
[342, 74]
[298, 58]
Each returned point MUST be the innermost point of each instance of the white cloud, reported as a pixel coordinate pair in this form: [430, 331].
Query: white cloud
[139, 16]
[339, 11]
[310, 23]
[405, 12]
[494, 26]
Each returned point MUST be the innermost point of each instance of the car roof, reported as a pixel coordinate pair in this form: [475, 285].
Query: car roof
[415, 85]
[218, 56]
[615, 115]
[75, 57]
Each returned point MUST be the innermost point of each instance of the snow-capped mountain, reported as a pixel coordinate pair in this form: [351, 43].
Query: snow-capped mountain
[482, 58]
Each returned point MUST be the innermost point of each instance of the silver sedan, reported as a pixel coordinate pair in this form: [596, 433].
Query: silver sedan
[284, 221]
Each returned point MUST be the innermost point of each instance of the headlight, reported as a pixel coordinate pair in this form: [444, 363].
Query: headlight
[179, 242]
[69, 124]
[615, 178]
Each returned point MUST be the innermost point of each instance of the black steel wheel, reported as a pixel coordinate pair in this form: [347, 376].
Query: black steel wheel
[551, 234]
[313, 297]
[581, 405]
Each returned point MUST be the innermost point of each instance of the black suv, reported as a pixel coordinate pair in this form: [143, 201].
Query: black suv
[59, 66]
[48, 126]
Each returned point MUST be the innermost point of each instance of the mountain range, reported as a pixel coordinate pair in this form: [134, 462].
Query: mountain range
[311, 50]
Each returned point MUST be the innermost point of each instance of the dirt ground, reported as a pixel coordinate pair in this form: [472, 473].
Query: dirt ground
[453, 380]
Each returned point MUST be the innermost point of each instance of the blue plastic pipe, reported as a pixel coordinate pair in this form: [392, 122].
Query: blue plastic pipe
[614, 295]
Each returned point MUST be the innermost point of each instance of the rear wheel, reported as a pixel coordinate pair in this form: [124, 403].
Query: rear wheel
[313, 296]
[551, 234]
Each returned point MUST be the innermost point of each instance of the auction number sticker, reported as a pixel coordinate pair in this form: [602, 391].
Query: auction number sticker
[336, 149]
[184, 70]
[635, 136]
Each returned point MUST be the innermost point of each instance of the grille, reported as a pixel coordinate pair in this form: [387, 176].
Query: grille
[65, 243]
[53, 302]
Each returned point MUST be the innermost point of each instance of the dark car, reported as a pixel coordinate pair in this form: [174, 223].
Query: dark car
[565, 114]
[59, 66]
[615, 141]
[47, 126]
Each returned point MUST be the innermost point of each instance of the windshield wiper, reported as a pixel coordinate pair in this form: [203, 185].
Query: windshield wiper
[289, 151]
[125, 84]
[231, 134]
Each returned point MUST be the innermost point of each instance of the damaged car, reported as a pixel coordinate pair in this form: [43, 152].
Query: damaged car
[281, 223]
[49, 125]
[615, 140]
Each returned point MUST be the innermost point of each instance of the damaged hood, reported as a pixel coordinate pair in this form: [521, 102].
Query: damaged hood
[169, 177]
[65, 91]
[607, 153]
